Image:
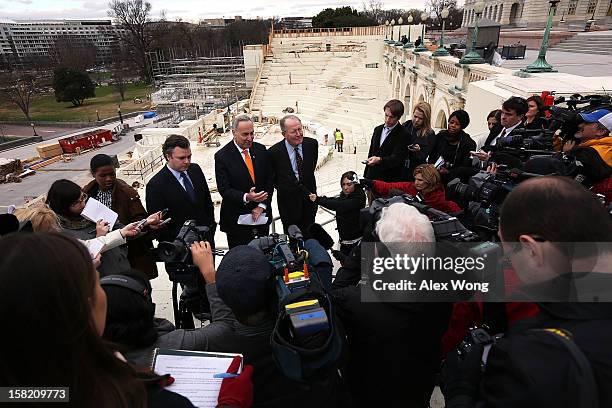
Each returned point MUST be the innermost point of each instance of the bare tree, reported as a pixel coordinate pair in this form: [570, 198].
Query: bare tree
[133, 16]
[73, 52]
[22, 93]
[436, 6]
[374, 10]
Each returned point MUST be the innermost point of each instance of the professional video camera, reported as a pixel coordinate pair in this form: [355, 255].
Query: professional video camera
[446, 227]
[566, 118]
[486, 192]
[478, 335]
[306, 339]
[178, 262]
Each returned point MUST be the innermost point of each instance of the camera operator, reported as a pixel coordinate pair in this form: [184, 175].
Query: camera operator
[594, 147]
[568, 364]
[130, 316]
[245, 283]
[394, 345]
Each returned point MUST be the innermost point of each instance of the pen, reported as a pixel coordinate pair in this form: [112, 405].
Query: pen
[225, 375]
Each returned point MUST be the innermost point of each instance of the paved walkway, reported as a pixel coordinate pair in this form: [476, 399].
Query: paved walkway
[588, 65]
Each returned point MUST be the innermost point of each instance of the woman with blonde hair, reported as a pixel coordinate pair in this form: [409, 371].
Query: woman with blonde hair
[420, 138]
[427, 184]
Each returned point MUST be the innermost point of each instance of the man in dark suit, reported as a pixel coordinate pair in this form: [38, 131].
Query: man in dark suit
[388, 148]
[244, 180]
[181, 188]
[293, 161]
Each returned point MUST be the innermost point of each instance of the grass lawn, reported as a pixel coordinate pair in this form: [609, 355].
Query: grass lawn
[107, 99]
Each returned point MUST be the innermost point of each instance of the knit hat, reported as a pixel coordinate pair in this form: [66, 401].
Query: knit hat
[462, 116]
[242, 279]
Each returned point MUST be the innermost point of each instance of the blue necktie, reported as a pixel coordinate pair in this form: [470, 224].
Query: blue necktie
[188, 187]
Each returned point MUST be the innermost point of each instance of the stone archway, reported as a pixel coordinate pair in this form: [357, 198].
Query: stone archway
[440, 121]
[407, 96]
[390, 74]
[514, 13]
[396, 87]
[495, 16]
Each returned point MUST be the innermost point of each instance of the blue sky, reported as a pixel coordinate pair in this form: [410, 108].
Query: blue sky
[189, 10]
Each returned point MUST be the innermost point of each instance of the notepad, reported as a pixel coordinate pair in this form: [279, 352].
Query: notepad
[247, 219]
[95, 210]
[193, 373]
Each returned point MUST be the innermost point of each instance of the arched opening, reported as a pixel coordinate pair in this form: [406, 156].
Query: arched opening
[514, 13]
[441, 122]
[396, 88]
[407, 105]
[390, 75]
[421, 98]
[495, 16]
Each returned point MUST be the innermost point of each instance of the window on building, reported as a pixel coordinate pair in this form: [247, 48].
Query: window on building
[571, 7]
[609, 13]
[592, 6]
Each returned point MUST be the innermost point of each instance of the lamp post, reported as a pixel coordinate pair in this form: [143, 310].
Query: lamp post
[400, 21]
[421, 47]
[34, 129]
[441, 51]
[98, 115]
[387, 31]
[392, 24]
[540, 64]
[120, 116]
[473, 57]
[409, 43]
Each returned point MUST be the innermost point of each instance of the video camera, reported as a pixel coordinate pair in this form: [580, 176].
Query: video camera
[486, 192]
[566, 119]
[305, 339]
[177, 254]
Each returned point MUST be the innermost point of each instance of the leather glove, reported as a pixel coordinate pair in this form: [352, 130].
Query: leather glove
[237, 392]
[460, 378]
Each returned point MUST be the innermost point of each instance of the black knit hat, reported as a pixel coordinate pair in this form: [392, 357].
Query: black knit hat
[100, 160]
[242, 279]
[462, 116]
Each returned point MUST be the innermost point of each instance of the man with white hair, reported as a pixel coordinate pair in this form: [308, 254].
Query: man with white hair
[394, 345]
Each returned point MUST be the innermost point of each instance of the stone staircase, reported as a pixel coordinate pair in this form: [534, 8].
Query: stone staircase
[587, 43]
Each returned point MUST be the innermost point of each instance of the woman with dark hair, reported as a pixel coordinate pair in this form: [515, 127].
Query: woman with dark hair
[427, 184]
[494, 121]
[534, 118]
[347, 206]
[117, 195]
[57, 274]
[67, 200]
[451, 151]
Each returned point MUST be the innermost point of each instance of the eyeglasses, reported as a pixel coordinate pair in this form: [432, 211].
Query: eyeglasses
[81, 199]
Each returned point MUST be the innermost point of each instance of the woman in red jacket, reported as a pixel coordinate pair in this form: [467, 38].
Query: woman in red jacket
[427, 184]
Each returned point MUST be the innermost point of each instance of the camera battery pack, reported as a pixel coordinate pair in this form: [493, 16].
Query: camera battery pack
[309, 321]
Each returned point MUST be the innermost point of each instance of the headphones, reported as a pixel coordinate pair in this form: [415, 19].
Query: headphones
[128, 283]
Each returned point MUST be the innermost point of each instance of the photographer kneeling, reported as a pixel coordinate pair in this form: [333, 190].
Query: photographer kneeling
[130, 317]
[561, 357]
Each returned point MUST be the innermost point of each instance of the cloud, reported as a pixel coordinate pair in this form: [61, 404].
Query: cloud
[24, 1]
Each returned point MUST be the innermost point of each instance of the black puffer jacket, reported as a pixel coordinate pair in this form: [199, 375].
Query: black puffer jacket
[347, 209]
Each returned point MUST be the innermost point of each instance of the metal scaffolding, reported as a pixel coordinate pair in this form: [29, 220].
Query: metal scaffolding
[195, 86]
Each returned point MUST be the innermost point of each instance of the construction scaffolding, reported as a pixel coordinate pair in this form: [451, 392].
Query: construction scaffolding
[190, 87]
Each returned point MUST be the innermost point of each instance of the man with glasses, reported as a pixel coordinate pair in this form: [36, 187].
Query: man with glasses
[557, 236]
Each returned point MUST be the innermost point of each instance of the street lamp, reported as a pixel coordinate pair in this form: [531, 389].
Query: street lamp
[120, 116]
[540, 64]
[400, 21]
[409, 43]
[473, 57]
[421, 47]
[392, 24]
[441, 51]
[387, 30]
[34, 129]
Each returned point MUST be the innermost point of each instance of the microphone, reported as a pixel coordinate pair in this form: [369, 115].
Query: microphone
[294, 232]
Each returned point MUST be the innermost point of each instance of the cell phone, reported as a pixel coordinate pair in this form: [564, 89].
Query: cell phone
[141, 223]
[164, 222]
[164, 212]
[364, 162]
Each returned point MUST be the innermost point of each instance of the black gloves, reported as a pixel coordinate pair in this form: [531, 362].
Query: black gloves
[460, 378]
